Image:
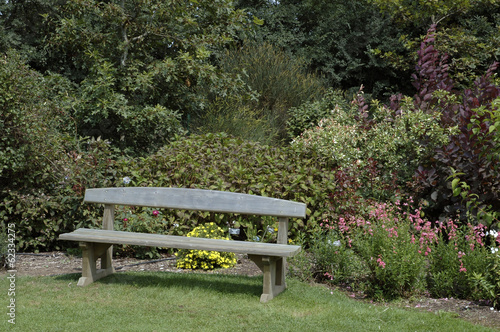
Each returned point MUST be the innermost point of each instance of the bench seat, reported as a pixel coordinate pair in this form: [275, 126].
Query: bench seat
[180, 242]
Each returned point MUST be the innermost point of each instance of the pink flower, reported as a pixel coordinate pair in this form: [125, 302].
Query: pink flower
[381, 262]
[156, 212]
[462, 268]
[125, 219]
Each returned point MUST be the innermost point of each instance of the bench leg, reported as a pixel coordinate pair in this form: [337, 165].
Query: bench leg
[273, 269]
[90, 253]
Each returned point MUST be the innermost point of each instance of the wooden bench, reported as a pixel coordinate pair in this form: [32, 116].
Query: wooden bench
[269, 257]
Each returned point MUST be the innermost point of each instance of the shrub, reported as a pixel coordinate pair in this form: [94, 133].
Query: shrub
[471, 149]
[218, 162]
[203, 259]
[460, 252]
[377, 140]
[41, 214]
[386, 247]
[31, 146]
[309, 114]
[278, 82]
[391, 251]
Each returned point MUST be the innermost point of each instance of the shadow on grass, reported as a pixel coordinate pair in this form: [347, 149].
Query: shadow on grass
[221, 283]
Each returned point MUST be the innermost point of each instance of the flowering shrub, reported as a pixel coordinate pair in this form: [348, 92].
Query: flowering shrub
[386, 246]
[203, 259]
[459, 252]
[391, 251]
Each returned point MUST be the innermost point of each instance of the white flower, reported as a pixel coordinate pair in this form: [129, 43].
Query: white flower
[494, 250]
[126, 180]
[493, 233]
[335, 243]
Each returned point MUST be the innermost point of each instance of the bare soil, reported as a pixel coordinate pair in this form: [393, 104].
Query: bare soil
[56, 263]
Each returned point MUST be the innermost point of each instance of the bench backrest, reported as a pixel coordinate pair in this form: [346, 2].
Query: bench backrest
[198, 200]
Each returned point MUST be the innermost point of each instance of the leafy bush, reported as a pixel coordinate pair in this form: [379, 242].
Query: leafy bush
[334, 37]
[206, 260]
[31, 139]
[57, 206]
[472, 148]
[309, 114]
[218, 162]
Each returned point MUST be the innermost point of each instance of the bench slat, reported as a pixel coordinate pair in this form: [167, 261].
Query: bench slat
[197, 199]
[181, 242]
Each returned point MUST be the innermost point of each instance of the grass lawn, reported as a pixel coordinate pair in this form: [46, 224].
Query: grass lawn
[163, 301]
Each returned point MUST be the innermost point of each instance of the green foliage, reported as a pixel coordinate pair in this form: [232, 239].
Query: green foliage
[206, 260]
[277, 83]
[472, 45]
[475, 208]
[218, 162]
[41, 214]
[139, 67]
[22, 27]
[487, 283]
[237, 119]
[309, 114]
[336, 262]
[468, 34]
[31, 139]
[427, 12]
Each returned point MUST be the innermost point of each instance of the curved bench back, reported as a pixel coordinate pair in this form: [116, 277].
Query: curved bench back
[197, 199]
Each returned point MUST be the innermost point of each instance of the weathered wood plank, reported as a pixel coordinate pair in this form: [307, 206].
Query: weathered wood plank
[197, 199]
[180, 242]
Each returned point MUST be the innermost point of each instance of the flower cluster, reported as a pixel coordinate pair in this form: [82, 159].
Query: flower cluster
[203, 259]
